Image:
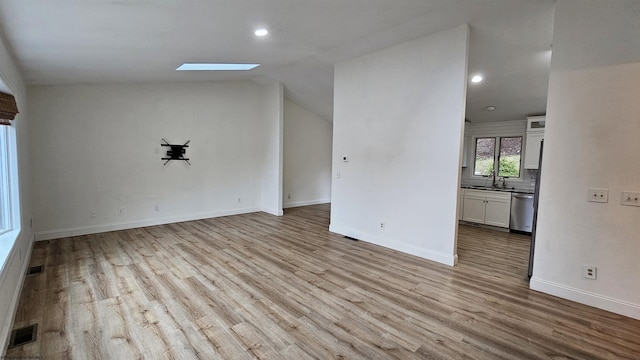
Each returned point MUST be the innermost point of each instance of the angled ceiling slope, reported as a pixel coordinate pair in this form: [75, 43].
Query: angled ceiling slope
[118, 41]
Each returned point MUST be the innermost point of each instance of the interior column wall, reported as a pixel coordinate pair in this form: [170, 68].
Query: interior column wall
[591, 138]
[398, 121]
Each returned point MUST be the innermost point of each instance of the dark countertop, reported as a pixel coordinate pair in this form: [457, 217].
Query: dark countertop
[511, 190]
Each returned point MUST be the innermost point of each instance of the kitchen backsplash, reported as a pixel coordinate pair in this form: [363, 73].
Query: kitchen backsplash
[527, 183]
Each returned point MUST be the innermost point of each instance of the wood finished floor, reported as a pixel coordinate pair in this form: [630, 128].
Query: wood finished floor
[259, 286]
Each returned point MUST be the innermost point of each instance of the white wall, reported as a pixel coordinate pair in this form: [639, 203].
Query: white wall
[13, 266]
[591, 141]
[96, 148]
[398, 116]
[307, 157]
[273, 155]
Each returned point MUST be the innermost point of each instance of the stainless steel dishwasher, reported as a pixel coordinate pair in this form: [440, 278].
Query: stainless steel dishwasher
[521, 212]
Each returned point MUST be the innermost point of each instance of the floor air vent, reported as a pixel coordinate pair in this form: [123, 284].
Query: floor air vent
[35, 270]
[23, 336]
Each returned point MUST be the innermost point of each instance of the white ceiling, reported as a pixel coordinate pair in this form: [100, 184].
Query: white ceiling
[111, 41]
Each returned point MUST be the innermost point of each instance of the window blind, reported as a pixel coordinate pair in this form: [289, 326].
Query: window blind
[8, 108]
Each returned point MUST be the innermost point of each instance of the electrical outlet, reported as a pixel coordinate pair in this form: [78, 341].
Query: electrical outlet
[121, 211]
[239, 200]
[289, 197]
[589, 272]
[156, 208]
[599, 195]
[630, 198]
[92, 214]
[382, 225]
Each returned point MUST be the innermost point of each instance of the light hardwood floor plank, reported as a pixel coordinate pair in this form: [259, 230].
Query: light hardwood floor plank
[257, 286]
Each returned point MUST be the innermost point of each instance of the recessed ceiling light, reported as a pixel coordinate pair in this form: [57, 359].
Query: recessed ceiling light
[476, 79]
[262, 32]
[215, 67]
[490, 108]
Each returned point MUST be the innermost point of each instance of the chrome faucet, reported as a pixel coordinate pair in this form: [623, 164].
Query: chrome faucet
[504, 182]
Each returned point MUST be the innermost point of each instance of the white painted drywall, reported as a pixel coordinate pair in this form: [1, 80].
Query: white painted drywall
[16, 246]
[273, 150]
[398, 116]
[591, 141]
[96, 148]
[307, 157]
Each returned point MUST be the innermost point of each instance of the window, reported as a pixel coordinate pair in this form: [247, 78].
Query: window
[510, 157]
[485, 156]
[5, 220]
[498, 155]
[9, 197]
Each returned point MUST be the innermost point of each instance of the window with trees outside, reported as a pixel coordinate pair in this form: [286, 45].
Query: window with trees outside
[498, 155]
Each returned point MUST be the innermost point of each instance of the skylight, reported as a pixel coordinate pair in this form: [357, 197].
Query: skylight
[215, 67]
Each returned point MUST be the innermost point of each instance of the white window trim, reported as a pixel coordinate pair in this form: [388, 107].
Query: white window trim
[497, 137]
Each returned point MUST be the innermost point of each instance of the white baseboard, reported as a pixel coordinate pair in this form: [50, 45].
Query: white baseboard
[439, 257]
[617, 306]
[293, 204]
[273, 211]
[95, 229]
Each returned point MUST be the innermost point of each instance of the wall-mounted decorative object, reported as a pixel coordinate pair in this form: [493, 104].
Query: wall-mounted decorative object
[175, 152]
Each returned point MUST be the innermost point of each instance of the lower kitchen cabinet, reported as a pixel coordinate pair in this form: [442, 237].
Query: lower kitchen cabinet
[487, 207]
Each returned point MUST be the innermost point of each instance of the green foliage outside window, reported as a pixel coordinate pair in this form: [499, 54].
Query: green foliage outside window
[510, 166]
[509, 155]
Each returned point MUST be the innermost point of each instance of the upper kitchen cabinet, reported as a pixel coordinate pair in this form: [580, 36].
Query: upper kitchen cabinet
[535, 135]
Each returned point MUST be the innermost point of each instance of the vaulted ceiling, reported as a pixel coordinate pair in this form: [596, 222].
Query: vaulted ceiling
[125, 41]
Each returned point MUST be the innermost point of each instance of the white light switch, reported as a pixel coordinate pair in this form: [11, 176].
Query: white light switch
[630, 198]
[599, 195]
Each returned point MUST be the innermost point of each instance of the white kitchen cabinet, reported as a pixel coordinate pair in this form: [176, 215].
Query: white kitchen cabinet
[498, 210]
[474, 207]
[536, 123]
[535, 135]
[487, 207]
[532, 151]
